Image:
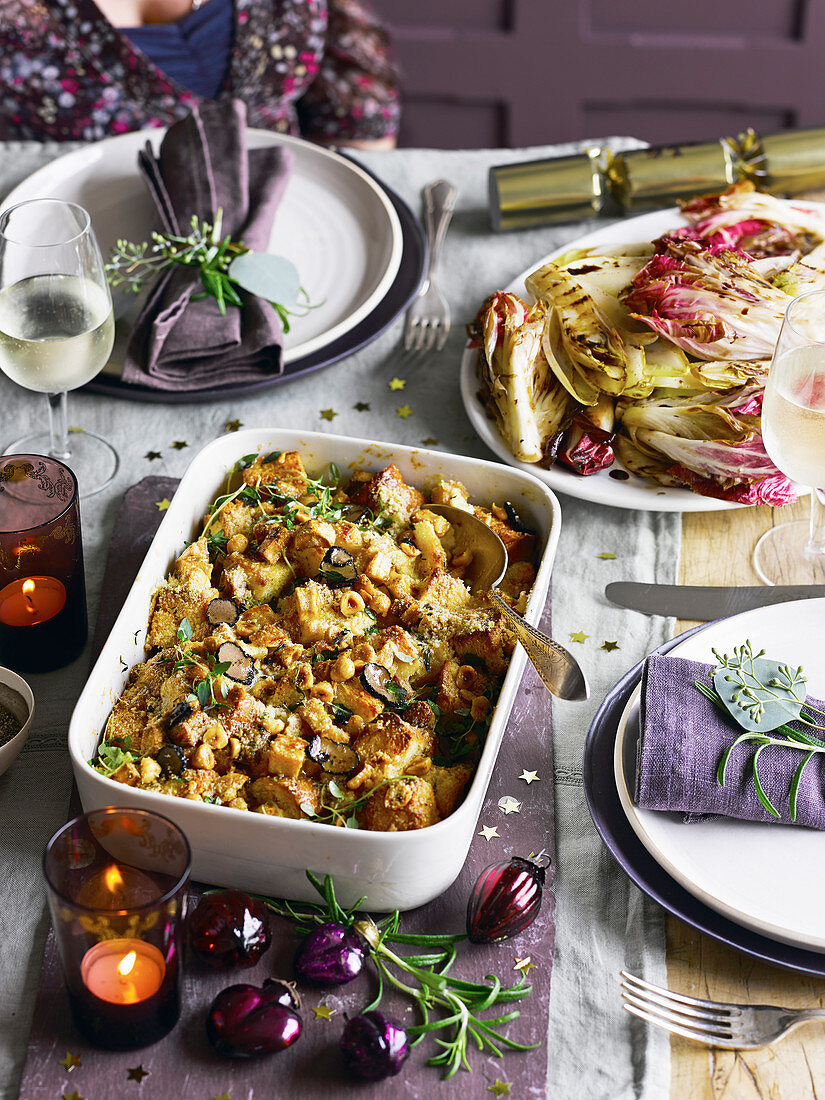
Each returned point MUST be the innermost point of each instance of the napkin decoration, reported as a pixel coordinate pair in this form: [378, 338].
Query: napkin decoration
[181, 340]
[684, 736]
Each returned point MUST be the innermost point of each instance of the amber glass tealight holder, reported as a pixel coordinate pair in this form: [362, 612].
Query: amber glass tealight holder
[116, 880]
[43, 622]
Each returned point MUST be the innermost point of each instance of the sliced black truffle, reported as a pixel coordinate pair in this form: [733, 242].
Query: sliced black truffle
[514, 519]
[171, 760]
[379, 682]
[241, 665]
[179, 713]
[223, 610]
[338, 568]
[333, 757]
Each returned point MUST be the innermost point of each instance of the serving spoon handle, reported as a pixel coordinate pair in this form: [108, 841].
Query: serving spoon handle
[558, 669]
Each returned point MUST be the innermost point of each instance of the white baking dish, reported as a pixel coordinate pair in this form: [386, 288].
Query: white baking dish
[270, 855]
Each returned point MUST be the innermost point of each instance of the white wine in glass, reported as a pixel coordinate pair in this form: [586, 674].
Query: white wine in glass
[793, 431]
[56, 325]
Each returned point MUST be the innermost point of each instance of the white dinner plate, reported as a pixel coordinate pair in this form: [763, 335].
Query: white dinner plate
[334, 222]
[603, 487]
[763, 876]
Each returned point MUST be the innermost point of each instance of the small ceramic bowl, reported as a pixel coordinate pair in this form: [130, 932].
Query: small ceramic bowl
[17, 697]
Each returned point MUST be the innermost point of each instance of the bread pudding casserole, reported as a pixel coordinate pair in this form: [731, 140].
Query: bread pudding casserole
[315, 652]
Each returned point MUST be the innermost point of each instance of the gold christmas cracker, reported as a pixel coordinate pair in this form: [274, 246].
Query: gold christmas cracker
[662, 174]
[553, 190]
[597, 180]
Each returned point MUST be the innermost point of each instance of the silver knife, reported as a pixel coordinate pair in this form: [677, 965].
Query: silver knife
[704, 603]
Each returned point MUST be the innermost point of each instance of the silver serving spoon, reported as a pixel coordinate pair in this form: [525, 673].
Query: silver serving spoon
[557, 668]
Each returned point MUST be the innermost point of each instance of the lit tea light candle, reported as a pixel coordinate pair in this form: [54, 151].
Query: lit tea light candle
[31, 600]
[123, 972]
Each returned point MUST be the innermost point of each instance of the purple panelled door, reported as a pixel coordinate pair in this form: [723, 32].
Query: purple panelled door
[525, 72]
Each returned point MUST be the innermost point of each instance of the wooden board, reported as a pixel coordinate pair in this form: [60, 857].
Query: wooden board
[716, 549]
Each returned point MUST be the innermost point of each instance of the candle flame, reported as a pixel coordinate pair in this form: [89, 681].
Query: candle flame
[27, 590]
[126, 964]
[113, 878]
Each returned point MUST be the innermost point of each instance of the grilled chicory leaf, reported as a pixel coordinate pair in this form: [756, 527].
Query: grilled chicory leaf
[711, 303]
[528, 402]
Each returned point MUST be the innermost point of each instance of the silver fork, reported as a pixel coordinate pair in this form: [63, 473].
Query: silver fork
[428, 318]
[717, 1023]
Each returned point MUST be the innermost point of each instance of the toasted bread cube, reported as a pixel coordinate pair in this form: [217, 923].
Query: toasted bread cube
[285, 797]
[387, 492]
[402, 805]
[286, 756]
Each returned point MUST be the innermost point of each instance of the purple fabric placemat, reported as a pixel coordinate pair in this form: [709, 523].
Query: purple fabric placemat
[183, 1065]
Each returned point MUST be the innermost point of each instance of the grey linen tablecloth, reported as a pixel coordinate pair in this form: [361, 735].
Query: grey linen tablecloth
[603, 922]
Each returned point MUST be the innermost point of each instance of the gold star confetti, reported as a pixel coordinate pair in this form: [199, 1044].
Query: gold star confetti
[607, 556]
[403, 411]
[362, 406]
[529, 777]
[71, 1061]
[524, 965]
[328, 414]
[509, 805]
[179, 444]
[609, 646]
[136, 1074]
[429, 442]
[488, 832]
[398, 383]
[150, 456]
[162, 505]
[232, 425]
[578, 636]
[72, 1095]
[500, 1088]
[323, 1012]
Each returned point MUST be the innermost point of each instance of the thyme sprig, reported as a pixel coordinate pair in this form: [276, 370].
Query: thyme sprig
[208, 689]
[763, 699]
[445, 1003]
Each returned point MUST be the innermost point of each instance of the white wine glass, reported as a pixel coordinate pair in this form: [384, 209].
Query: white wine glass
[793, 431]
[56, 325]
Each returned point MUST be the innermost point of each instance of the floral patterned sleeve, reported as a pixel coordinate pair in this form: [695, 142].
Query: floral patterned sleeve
[355, 93]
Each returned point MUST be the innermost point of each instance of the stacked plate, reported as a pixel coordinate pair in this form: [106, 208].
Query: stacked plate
[755, 887]
[358, 248]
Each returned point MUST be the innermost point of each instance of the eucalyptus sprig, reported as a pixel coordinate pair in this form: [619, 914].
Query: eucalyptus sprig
[760, 694]
[457, 1003]
[224, 266]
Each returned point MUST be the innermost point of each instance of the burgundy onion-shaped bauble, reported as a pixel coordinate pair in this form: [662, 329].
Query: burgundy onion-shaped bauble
[505, 900]
[229, 928]
[245, 1021]
[331, 955]
[374, 1046]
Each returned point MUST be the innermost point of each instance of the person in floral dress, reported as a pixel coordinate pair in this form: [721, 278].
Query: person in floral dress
[69, 69]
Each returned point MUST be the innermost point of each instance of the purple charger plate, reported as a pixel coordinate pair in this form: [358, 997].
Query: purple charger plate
[635, 860]
[398, 297]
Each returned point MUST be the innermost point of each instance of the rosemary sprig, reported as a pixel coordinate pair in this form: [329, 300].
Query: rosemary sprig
[756, 698]
[457, 1003]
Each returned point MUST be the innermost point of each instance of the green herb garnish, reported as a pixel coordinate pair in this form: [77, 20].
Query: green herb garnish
[760, 695]
[225, 267]
[424, 977]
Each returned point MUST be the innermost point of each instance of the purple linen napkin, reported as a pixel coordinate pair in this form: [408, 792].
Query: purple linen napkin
[683, 736]
[181, 341]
